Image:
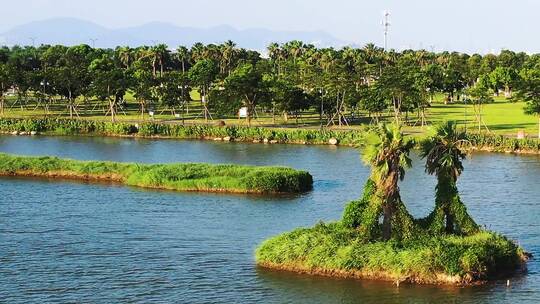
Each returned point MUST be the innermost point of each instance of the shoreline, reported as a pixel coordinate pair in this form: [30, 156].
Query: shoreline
[441, 279]
[484, 142]
[121, 182]
[486, 149]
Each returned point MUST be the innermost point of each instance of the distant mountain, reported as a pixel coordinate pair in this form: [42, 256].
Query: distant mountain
[70, 31]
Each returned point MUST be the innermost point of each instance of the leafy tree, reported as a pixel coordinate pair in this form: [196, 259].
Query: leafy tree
[68, 73]
[171, 92]
[247, 85]
[374, 101]
[23, 66]
[444, 157]
[474, 68]
[203, 74]
[110, 82]
[403, 87]
[287, 98]
[480, 94]
[143, 84]
[5, 84]
[454, 74]
[503, 78]
[529, 91]
[435, 76]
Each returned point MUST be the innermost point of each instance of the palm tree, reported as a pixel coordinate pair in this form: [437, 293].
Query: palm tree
[274, 53]
[387, 152]
[197, 52]
[444, 157]
[182, 53]
[160, 54]
[228, 54]
[124, 55]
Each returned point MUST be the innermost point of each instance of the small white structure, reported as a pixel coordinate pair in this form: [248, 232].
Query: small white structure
[243, 112]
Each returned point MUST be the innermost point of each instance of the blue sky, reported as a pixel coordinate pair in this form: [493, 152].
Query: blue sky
[466, 25]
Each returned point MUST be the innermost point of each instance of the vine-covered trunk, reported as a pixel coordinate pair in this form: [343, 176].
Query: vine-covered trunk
[449, 226]
[388, 213]
[364, 215]
[450, 214]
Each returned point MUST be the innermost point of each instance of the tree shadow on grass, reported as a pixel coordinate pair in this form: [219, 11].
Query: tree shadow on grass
[512, 126]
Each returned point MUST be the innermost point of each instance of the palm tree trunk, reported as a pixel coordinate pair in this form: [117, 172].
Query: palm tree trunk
[449, 219]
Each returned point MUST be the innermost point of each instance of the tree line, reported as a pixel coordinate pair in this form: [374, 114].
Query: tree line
[287, 79]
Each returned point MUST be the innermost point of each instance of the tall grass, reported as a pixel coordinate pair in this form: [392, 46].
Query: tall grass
[181, 177]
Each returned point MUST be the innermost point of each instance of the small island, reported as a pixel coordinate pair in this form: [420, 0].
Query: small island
[377, 238]
[227, 178]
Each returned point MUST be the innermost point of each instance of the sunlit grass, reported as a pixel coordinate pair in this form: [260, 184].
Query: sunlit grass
[333, 249]
[181, 177]
[501, 117]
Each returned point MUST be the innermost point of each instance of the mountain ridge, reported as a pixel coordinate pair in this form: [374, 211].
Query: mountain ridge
[72, 31]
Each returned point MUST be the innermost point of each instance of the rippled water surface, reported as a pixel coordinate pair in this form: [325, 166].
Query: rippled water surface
[64, 241]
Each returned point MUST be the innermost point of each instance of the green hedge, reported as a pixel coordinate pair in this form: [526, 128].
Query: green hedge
[499, 143]
[182, 177]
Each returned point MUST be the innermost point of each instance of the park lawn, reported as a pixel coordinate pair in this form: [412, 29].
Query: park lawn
[501, 117]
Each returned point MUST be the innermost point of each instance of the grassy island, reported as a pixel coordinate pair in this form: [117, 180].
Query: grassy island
[378, 238]
[180, 177]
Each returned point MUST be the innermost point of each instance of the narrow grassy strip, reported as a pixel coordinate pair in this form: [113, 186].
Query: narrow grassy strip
[52, 126]
[180, 177]
[335, 250]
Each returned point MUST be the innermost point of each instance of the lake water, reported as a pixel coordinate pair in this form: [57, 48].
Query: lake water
[64, 241]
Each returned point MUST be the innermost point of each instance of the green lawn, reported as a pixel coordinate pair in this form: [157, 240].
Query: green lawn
[501, 117]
